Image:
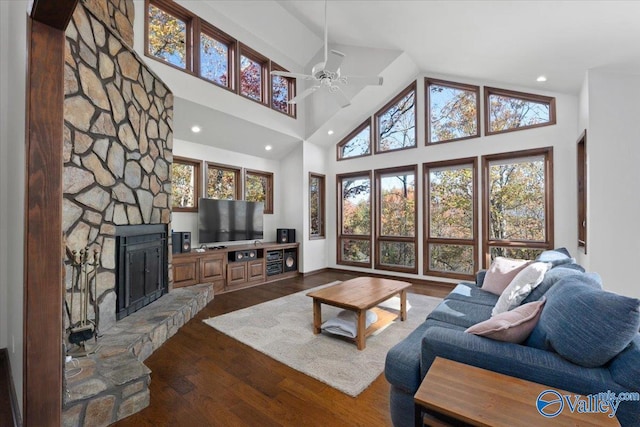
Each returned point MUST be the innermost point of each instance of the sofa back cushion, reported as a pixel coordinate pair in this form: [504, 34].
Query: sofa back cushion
[552, 277]
[584, 324]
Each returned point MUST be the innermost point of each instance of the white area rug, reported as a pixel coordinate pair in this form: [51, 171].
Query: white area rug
[283, 329]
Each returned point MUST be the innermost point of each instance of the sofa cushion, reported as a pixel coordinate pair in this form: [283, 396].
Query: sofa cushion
[511, 326]
[501, 273]
[460, 313]
[521, 286]
[584, 324]
[470, 292]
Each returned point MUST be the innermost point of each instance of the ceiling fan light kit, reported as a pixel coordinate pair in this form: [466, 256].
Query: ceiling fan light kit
[327, 74]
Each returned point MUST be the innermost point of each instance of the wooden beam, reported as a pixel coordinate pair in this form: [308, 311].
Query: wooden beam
[56, 14]
[43, 270]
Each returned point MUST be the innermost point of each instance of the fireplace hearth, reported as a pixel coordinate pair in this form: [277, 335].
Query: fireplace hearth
[141, 266]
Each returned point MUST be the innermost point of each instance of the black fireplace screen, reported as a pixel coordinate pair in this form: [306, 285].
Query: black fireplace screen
[141, 265]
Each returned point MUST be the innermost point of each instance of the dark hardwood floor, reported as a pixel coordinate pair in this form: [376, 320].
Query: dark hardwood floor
[201, 377]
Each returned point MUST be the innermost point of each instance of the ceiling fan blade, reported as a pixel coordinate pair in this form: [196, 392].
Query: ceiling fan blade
[341, 97]
[303, 95]
[292, 75]
[363, 80]
[334, 61]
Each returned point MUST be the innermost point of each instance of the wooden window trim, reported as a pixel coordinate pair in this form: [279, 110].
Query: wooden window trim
[197, 191]
[232, 47]
[268, 204]
[488, 91]
[426, 168]
[582, 168]
[387, 106]
[265, 89]
[181, 13]
[428, 82]
[291, 91]
[322, 210]
[363, 237]
[379, 238]
[487, 244]
[237, 178]
[344, 141]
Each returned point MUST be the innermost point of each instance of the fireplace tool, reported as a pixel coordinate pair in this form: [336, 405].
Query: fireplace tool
[84, 274]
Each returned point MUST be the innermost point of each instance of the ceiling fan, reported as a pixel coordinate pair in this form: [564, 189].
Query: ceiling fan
[326, 75]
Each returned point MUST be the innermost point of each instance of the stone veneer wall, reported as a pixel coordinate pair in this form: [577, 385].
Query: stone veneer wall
[118, 144]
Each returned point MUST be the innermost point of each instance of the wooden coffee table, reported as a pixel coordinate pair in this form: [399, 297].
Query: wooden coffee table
[359, 295]
[453, 393]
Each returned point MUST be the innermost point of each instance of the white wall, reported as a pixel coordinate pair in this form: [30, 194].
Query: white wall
[188, 221]
[13, 56]
[561, 137]
[613, 229]
[291, 189]
[315, 252]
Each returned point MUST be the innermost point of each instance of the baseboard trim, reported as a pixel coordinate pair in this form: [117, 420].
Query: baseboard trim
[416, 281]
[314, 272]
[9, 409]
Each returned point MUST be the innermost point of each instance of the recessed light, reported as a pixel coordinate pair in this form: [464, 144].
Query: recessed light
[330, 132]
[195, 129]
[268, 148]
[541, 79]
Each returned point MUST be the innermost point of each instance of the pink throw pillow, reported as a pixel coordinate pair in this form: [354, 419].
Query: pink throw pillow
[501, 273]
[511, 326]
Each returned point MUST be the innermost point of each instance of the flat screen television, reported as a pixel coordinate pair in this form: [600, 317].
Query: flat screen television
[229, 220]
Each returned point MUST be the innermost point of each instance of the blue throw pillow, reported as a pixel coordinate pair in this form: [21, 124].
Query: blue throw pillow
[556, 257]
[584, 324]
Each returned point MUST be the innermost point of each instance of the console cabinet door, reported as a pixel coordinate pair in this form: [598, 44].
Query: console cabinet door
[185, 272]
[236, 273]
[256, 270]
[212, 271]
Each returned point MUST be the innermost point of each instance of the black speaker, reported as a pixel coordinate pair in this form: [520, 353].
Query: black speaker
[290, 260]
[185, 241]
[243, 255]
[175, 243]
[286, 235]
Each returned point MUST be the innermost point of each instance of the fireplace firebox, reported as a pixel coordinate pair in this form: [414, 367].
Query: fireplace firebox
[141, 266]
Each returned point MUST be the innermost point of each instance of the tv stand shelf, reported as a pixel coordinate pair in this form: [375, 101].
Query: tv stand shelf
[234, 267]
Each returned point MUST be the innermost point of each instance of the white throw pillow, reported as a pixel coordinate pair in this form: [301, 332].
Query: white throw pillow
[521, 286]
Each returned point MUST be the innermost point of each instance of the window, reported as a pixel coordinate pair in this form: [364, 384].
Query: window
[518, 210]
[396, 242]
[177, 37]
[452, 111]
[316, 206]
[354, 219]
[258, 187]
[223, 182]
[167, 29]
[450, 218]
[507, 110]
[253, 74]
[357, 143]
[185, 184]
[216, 56]
[396, 122]
[283, 89]
[582, 191]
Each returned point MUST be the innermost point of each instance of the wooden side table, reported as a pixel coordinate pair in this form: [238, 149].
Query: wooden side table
[453, 393]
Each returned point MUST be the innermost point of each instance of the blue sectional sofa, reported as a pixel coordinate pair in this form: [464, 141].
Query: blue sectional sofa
[443, 334]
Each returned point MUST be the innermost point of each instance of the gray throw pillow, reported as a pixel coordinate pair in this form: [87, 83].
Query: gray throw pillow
[584, 324]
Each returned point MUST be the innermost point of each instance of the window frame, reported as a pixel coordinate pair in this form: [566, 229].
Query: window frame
[197, 191]
[268, 197]
[529, 97]
[362, 237]
[426, 168]
[291, 91]
[238, 190]
[232, 48]
[179, 12]
[428, 82]
[377, 207]
[344, 141]
[582, 181]
[376, 119]
[321, 209]
[265, 81]
[487, 244]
